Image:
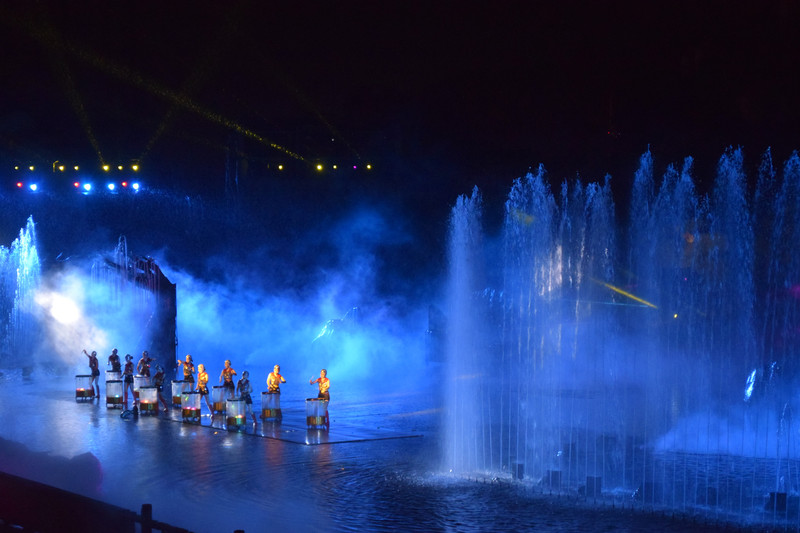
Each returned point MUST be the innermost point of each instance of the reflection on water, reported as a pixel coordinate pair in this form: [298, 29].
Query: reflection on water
[210, 479]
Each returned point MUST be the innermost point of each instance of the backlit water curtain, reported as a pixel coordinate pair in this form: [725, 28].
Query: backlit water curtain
[653, 358]
[20, 275]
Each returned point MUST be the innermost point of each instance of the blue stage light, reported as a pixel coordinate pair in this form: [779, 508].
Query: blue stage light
[111, 186]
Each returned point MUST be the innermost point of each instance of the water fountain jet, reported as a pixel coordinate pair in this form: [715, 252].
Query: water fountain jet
[613, 358]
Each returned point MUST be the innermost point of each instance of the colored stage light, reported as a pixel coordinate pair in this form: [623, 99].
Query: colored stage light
[124, 183]
[19, 184]
[106, 168]
[135, 168]
[135, 186]
[87, 187]
[319, 167]
[33, 187]
[76, 184]
[111, 186]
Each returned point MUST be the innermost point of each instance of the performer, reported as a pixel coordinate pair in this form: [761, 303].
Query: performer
[202, 385]
[127, 378]
[227, 376]
[188, 368]
[93, 366]
[143, 368]
[113, 360]
[324, 394]
[324, 385]
[158, 381]
[245, 391]
[274, 380]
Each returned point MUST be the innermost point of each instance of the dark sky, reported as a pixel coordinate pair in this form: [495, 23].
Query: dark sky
[451, 93]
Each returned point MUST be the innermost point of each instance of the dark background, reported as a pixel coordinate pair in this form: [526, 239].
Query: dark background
[438, 96]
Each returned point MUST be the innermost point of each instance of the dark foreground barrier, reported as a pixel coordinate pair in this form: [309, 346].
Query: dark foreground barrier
[26, 505]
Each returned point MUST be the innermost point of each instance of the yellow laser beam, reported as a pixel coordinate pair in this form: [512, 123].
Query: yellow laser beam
[49, 38]
[47, 34]
[625, 293]
[180, 100]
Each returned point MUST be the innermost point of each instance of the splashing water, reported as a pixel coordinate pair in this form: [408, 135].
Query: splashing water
[20, 276]
[657, 357]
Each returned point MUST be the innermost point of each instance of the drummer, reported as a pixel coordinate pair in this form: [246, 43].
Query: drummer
[274, 380]
[324, 385]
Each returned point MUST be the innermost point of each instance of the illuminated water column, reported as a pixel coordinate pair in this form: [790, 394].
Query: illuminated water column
[20, 277]
[466, 423]
[656, 357]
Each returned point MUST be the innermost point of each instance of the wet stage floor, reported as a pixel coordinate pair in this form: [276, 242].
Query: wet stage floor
[376, 469]
[292, 428]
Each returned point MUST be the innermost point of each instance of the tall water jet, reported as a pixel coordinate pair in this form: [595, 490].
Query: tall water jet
[653, 359]
[20, 276]
[466, 389]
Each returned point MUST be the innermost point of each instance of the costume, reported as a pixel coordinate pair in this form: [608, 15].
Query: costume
[324, 387]
[227, 374]
[202, 383]
[188, 371]
[93, 365]
[245, 389]
[158, 381]
[128, 374]
[144, 366]
[274, 381]
[113, 360]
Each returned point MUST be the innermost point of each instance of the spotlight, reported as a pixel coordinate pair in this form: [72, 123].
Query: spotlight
[106, 168]
[87, 187]
[33, 187]
[135, 168]
[19, 184]
[319, 167]
[135, 186]
[76, 184]
[124, 183]
[111, 186]
[119, 167]
[31, 168]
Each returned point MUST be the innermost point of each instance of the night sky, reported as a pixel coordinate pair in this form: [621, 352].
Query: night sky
[439, 96]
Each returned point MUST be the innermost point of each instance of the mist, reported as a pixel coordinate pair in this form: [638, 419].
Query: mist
[335, 291]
